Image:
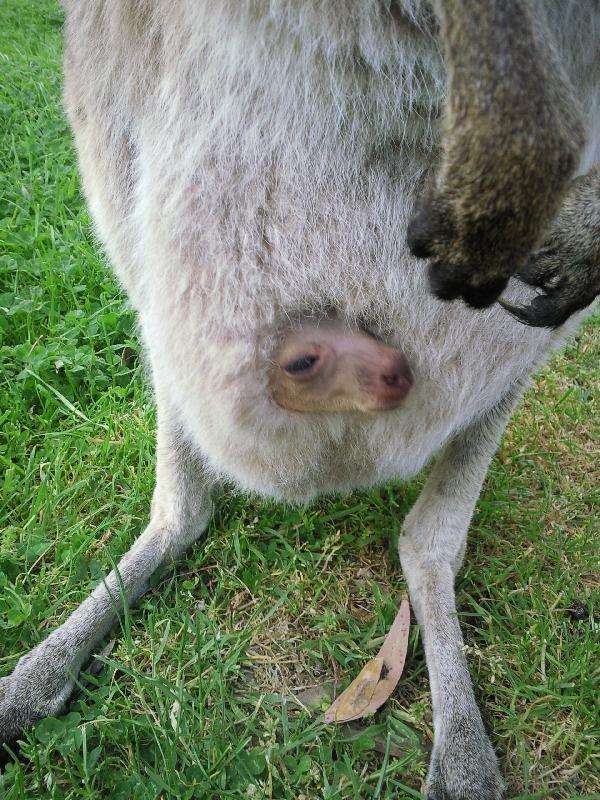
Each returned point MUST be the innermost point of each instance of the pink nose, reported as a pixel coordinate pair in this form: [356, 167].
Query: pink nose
[393, 382]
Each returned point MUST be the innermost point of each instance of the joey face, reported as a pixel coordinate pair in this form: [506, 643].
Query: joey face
[326, 366]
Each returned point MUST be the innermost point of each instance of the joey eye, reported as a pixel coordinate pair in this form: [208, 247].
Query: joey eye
[300, 365]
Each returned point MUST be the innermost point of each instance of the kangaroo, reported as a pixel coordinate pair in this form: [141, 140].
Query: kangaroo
[252, 169]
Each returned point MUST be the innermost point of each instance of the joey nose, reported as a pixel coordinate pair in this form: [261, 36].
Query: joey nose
[394, 382]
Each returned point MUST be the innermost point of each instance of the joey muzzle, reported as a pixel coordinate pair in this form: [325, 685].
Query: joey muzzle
[326, 366]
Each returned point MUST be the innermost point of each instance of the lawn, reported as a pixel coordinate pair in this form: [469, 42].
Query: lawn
[215, 684]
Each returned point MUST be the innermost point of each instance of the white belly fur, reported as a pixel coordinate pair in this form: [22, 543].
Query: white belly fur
[278, 179]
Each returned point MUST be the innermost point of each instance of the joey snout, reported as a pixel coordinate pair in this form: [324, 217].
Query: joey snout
[325, 365]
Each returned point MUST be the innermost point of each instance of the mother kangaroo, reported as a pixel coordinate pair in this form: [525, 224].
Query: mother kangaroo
[252, 167]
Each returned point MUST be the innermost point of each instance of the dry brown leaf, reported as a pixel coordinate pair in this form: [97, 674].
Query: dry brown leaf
[352, 702]
[377, 679]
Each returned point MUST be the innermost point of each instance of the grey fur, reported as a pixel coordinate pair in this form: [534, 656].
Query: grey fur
[44, 678]
[250, 161]
[431, 546]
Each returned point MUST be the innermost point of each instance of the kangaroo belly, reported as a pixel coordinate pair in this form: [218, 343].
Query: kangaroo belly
[277, 161]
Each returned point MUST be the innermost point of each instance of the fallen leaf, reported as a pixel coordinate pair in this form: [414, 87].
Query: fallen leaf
[352, 702]
[379, 677]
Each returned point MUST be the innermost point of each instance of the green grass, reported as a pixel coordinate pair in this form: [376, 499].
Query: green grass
[197, 697]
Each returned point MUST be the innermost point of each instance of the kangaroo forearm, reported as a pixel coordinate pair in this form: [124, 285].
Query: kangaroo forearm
[511, 141]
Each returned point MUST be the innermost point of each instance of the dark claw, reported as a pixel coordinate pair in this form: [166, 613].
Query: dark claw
[537, 271]
[419, 234]
[443, 288]
[484, 296]
[475, 296]
[530, 272]
[544, 311]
